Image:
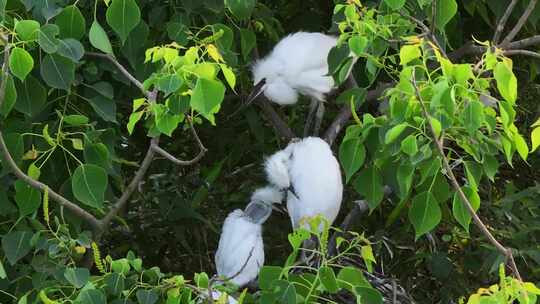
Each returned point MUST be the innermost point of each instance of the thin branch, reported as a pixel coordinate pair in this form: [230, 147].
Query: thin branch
[360, 207]
[122, 70]
[520, 23]
[279, 124]
[455, 184]
[83, 214]
[502, 22]
[167, 155]
[522, 52]
[345, 114]
[139, 175]
[433, 16]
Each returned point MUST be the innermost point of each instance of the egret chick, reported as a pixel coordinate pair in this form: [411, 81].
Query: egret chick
[308, 170]
[240, 253]
[297, 65]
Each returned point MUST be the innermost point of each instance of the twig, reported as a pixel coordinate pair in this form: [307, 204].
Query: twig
[520, 23]
[507, 252]
[359, 208]
[502, 22]
[433, 16]
[522, 52]
[122, 70]
[167, 155]
[279, 124]
[345, 114]
[83, 214]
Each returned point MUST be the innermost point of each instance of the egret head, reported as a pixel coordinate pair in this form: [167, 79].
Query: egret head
[262, 202]
[268, 78]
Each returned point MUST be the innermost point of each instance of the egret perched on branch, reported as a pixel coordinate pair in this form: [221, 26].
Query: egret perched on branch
[297, 65]
[310, 174]
[240, 253]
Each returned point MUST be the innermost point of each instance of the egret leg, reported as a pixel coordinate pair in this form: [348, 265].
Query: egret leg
[318, 118]
[311, 116]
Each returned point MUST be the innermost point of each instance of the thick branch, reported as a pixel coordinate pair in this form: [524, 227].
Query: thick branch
[522, 52]
[345, 114]
[455, 184]
[520, 23]
[502, 22]
[83, 214]
[524, 43]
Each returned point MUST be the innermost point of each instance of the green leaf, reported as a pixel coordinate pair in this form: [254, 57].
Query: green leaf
[28, 199]
[33, 171]
[229, 75]
[460, 211]
[491, 166]
[16, 245]
[97, 154]
[285, 291]
[31, 96]
[409, 53]
[10, 98]
[506, 82]
[123, 16]
[207, 97]
[248, 41]
[424, 213]
[47, 38]
[91, 296]
[521, 145]
[473, 116]
[77, 143]
[71, 49]
[352, 155]
[27, 30]
[535, 139]
[395, 4]
[394, 132]
[77, 277]
[3, 273]
[133, 119]
[445, 12]
[367, 255]
[20, 63]
[98, 38]
[169, 83]
[369, 184]
[115, 283]
[89, 183]
[328, 279]
[57, 71]
[121, 266]
[104, 107]
[177, 31]
[350, 277]
[167, 123]
[405, 173]
[71, 23]
[267, 275]
[76, 120]
[358, 44]
[146, 296]
[241, 9]
[409, 145]
[368, 295]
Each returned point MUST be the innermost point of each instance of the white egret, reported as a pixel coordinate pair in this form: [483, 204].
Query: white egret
[310, 173]
[297, 65]
[240, 253]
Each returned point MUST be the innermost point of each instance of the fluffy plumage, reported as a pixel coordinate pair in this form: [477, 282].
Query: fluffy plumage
[296, 65]
[314, 173]
[238, 236]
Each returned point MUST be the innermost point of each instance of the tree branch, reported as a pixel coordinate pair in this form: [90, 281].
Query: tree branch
[520, 23]
[167, 155]
[522, 52]
[524, 43]
[360, 207]
[279, 124]
[502, 22]
[507, 252]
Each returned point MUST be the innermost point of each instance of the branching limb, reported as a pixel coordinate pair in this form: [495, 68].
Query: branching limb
[507, 252]
[502, 22]
[520, 23]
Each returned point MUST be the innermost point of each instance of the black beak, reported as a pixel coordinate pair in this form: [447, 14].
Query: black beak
[255, 92]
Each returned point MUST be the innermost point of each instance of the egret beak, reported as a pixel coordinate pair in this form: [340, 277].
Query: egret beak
[255, 92]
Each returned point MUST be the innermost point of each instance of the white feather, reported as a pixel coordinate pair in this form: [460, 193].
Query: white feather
[238, 237]
[297, 64]
[276, 167]
[267, 194]
[315, 176]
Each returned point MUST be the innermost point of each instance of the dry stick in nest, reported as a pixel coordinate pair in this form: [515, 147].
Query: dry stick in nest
[216, 279]
[507, 252]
